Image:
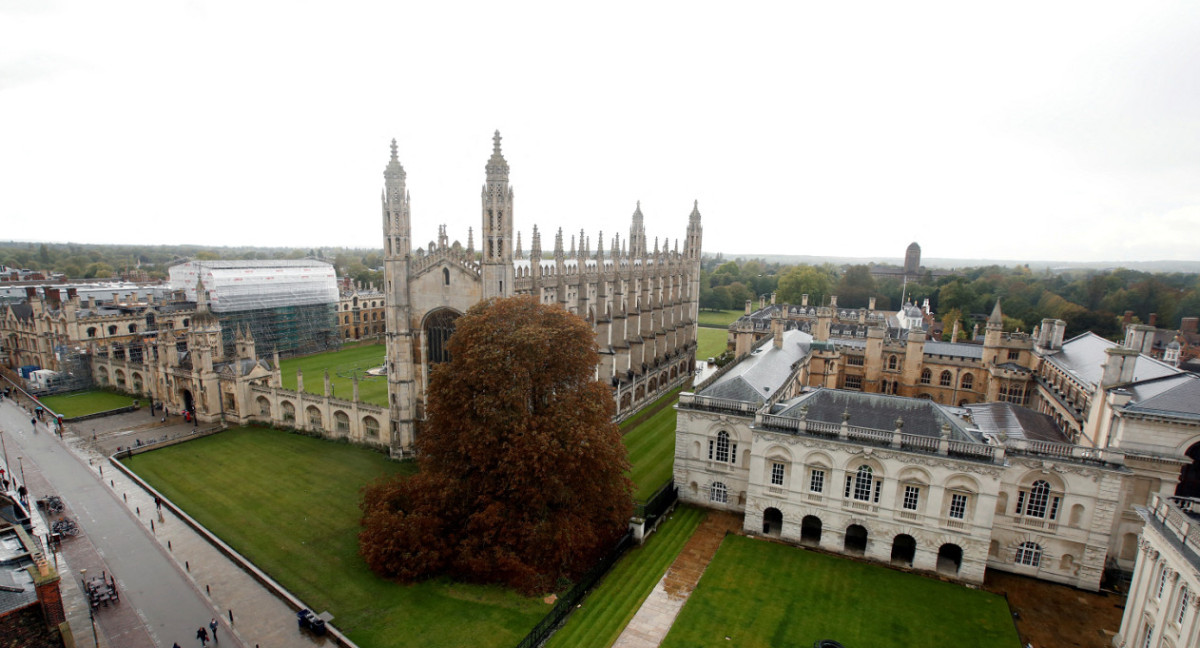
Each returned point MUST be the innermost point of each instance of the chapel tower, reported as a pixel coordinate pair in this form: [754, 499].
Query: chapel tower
[497, 230]
[397, 257]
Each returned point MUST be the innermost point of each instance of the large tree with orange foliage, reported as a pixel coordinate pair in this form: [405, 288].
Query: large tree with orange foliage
[522, 478]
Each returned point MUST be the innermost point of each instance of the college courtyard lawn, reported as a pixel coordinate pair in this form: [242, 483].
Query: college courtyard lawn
[341, 365]
[609, 607]
[718, 319]
[757, 593]
[650, 441]
[82, 403]
[289, 503]
[710, 342]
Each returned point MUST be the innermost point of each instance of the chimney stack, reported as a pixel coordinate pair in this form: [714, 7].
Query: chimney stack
[1153, 319]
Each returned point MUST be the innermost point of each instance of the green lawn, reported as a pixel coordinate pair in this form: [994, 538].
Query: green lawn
[719, 319]
[342, 365]
[609, 607]
[85, 402]
[712, 342]
[762, 594]
[651, 446]
[289, 503]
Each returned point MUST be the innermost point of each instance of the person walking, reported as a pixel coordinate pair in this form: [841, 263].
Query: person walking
[213, 624]
[202, 635]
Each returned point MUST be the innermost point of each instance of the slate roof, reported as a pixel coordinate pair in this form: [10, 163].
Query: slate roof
[954, 350]
[878, 412]
[1084, 356]
[1177, 395]
[759, 375]
[1015, 422]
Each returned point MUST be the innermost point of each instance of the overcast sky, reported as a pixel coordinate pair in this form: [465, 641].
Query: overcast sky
[1007, 131]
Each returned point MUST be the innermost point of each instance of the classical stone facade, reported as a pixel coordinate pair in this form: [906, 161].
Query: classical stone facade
[1163, 606]
[641, 300]
[946, 488]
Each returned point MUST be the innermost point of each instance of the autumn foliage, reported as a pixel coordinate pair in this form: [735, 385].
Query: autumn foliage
[522, 478]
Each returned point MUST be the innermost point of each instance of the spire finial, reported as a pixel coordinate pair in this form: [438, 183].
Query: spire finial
[394, 149]
[496, 142]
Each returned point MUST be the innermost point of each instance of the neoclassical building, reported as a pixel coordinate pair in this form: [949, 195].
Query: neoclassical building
[953, 487]
[1163, 606]
[640, 299]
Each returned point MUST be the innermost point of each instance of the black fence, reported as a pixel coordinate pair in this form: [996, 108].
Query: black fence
[657, 504]
[549, 623]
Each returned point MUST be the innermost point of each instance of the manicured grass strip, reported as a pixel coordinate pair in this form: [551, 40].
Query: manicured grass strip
[289, 503]
[651, 446]
[83, 403]
[711, 342]
[341, 365]
[665, 401]
[718, 319]
[609, 607]
[761, 594]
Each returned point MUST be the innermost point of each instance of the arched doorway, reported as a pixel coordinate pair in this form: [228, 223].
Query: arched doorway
[189, 403]
[810, 530]
[772, 522]
[1189, 477]
[904, 549]
[949, 559]
[856, 540]
[439, 326]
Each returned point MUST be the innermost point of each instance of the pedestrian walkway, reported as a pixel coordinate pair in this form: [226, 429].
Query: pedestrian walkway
[182, 563]
[650, 625]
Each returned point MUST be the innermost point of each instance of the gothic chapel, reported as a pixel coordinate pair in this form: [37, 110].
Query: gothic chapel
[641, 301]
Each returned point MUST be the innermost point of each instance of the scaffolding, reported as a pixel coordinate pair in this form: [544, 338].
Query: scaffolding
[288, 306]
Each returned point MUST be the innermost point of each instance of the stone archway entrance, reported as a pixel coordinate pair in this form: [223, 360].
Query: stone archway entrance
[949, 559]
[810, 530]
[856, 540]
[189, 403]
[772, 522]
[904, 549]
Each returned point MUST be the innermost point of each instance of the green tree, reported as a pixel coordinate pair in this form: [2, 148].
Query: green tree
[948, 319]
[803, 280]
[855, 287]
[522, 477]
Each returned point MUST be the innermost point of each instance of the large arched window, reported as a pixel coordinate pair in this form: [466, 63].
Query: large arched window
[439, 326]
[892, 363]
[926, 376]
[1029, 553]
[718, 493]
[722, 448]
[968, 381]
[946, 379]
[1038, 501]
[862, 485]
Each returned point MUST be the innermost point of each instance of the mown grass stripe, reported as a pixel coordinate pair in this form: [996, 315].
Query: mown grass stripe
[609, 607]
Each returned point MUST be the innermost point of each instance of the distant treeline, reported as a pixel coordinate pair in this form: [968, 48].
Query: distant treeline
[86, 261]
[1092, 300]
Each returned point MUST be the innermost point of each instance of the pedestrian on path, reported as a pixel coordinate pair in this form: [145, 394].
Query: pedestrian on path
[202, 635]
[213, 624]
[175, 645]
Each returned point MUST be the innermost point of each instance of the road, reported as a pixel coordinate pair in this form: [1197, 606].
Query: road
[165, 600]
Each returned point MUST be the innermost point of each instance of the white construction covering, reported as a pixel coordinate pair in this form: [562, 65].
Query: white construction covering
[248, 285]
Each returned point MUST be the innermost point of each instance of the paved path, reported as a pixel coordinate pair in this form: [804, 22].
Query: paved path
[171, 578]
[650, 625]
